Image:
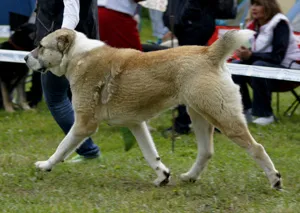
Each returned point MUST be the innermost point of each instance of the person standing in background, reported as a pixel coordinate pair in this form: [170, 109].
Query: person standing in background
[80, 15]
[194, 25]
[117, 25]
[160, 31]
[274, 45]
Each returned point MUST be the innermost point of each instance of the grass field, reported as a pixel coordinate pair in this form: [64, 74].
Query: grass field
[122, 181]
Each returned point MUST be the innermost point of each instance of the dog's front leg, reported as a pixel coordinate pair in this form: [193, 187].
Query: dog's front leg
[65, 148]
[149, 151]
[78, 133]
[21, 95]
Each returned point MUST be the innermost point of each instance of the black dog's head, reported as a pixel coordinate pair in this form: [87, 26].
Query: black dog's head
[24, 36]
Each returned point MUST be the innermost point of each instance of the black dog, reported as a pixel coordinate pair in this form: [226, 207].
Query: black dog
[12, 75]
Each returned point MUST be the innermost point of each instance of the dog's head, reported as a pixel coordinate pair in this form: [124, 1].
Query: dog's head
[23, 36]
[48, 56]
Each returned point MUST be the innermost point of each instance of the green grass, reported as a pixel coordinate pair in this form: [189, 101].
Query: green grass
[122, 181]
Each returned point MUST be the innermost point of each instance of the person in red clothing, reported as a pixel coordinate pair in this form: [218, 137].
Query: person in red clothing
[117, 27]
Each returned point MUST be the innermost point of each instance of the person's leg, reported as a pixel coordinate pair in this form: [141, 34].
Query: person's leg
[243, 81]
[187, 35]
[261, 97]
[182, 121]
[158, 28]
[262, 92]
[56, 96]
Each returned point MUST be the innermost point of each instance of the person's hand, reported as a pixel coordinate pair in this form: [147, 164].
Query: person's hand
[243, 53]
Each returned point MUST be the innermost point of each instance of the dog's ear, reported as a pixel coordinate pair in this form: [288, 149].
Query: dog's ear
[64, 41]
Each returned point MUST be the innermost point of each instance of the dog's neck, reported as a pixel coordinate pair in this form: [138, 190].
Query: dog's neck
[80, 45]
[83, 44]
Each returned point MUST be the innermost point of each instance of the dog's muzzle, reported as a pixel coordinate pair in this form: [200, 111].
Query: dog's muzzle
[33, 64]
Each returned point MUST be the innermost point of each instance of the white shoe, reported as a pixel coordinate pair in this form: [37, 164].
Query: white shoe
[248, 115]
[264, 120]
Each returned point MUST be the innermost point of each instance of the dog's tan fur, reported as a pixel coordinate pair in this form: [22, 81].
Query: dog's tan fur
[127, 87]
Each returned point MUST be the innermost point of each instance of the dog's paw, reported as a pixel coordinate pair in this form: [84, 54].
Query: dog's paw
[9, 109]
[163, 179]
[43, 165]
[277, 183]
[25, 106]
[186, 177]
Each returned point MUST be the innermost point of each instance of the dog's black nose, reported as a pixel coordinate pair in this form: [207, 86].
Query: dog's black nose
[26, 58]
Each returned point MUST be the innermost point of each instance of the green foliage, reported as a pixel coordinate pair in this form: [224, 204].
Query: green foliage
[146, 32]
[128, 138]
[145, 13]
[2, 39]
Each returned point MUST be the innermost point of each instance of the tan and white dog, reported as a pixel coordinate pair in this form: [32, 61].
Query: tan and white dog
[127, 87]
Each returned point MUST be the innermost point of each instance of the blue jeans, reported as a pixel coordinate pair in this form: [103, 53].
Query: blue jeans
[56, 95]
[158, 27]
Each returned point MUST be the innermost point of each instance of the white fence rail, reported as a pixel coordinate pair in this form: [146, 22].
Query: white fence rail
[12, 56]
[247, 70]
[4, 31]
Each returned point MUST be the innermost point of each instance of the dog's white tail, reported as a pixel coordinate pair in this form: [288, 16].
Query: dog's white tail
[220, 50]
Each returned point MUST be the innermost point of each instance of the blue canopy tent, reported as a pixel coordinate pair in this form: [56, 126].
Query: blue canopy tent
[22, 7]
[294, 16]
[14, 13]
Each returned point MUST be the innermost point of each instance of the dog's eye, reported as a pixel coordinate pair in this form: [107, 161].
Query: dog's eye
[41, 48]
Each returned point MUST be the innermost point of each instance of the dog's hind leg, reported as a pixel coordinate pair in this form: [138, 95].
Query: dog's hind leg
[81, 130]
[146, 144]
[233, 124]
[204, 136]
[220, 104]
[239, 133]
[7, 103]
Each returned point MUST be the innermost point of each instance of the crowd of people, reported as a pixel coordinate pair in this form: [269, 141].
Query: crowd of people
[274, 45]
